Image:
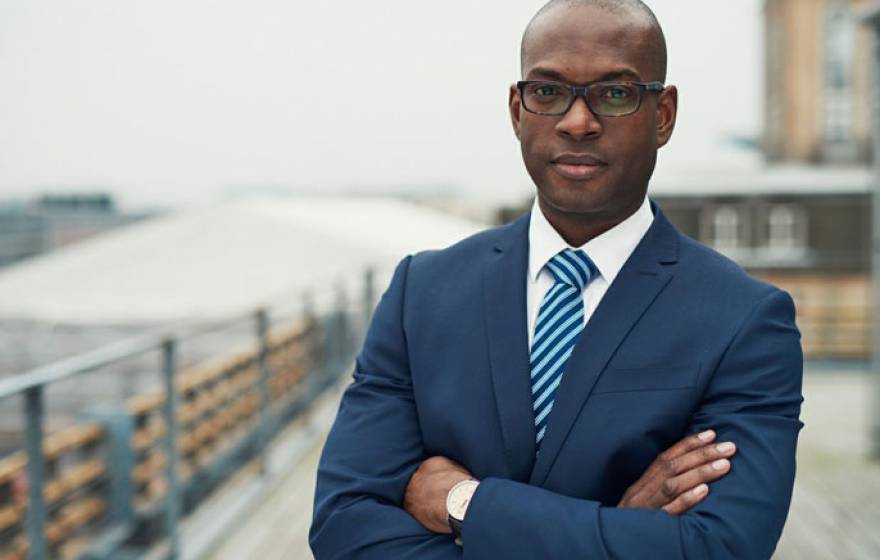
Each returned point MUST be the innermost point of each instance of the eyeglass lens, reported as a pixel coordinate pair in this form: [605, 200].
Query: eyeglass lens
[604, 98]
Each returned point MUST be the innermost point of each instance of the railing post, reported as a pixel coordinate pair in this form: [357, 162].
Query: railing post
[874, 422]
[341, 326]
[262, 318]
[308, 304]
[118, 428]
[369, 296]
[36, 467]
[316, 336]
[172, 506]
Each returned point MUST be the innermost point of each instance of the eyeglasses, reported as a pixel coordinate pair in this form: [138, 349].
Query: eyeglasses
[605, 99]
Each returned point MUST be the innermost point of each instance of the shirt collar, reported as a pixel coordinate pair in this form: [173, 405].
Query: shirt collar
[609, 251]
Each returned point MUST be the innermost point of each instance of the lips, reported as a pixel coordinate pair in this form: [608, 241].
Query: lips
[578, 159]
[578, 166]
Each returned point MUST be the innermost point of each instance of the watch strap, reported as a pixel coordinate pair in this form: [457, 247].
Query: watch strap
[456, 525]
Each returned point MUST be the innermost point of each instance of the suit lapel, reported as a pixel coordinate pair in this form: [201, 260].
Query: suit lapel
[504, 299]
[639, 282]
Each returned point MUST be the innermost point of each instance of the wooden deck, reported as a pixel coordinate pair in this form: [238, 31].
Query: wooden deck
[278, 530]
[836, 507]
[835, 512]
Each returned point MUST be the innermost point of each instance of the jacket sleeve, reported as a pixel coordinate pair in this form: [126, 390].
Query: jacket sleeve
[752, 399]
[373, 449]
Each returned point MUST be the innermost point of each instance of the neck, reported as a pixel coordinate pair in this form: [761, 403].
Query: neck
[579, 228]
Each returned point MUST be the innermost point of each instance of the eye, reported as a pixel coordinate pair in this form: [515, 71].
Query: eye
[547, 90]
[616, 92]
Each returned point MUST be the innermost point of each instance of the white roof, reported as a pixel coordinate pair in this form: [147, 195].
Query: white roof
[747, 175]
[221, 260]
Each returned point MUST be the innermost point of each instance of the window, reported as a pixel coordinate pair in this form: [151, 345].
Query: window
[726, 226]
[783, 228]
[783, 235]
[839, 55]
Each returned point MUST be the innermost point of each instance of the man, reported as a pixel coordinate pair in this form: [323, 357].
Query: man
[567, 385]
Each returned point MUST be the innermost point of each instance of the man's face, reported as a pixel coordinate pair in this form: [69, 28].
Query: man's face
[581, 163]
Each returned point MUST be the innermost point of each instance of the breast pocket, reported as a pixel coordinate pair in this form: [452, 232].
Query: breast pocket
[648, 378]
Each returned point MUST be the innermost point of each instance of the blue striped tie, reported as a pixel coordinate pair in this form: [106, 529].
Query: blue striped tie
[560, 320]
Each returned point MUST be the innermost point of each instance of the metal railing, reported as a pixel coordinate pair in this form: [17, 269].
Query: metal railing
[118, 482]
[871, 18]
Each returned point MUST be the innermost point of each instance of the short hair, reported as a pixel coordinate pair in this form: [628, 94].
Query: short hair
[633, 8]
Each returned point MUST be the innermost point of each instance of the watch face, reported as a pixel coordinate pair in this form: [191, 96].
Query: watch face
[459, 498]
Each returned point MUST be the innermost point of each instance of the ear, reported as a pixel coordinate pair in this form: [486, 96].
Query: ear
[667, 111]
[515, 105]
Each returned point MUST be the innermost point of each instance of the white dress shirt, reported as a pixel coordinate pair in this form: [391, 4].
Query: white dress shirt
[608, 251]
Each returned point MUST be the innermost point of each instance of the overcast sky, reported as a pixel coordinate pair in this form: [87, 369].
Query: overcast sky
[180, 101]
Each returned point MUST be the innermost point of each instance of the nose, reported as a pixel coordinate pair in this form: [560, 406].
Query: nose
[579, 122]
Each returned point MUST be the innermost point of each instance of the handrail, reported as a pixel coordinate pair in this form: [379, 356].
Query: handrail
[42, 531]
[113, 353]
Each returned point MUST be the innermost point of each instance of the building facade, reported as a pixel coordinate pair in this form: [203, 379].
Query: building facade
[817, 68]
[28, 228]
[814, 245]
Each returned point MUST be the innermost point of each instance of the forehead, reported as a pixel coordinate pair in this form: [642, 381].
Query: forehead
[585, 43]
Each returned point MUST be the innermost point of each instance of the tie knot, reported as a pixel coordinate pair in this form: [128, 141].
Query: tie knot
[572, 267]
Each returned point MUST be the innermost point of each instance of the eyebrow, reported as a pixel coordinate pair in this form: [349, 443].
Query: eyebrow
[613, 75]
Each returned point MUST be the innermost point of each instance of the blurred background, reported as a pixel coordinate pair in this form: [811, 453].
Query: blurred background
[201, 201]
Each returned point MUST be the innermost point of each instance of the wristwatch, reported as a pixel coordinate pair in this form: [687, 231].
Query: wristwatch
[457, 501]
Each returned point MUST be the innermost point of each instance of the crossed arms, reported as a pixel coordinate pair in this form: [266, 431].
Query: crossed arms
[375, 447]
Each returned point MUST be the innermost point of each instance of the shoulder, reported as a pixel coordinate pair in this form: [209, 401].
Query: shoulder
[464, 256]
[708, 270]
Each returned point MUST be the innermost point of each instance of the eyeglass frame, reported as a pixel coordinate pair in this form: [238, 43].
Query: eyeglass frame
[583, 91]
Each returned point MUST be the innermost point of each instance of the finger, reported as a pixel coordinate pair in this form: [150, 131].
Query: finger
[665, 465]
[701, 456]
[673, 487]
[700, 475]
[689, 443]
[687, 500]
[672, 476]
[660, 491]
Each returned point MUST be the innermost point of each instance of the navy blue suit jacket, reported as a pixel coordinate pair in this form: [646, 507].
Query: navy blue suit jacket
[683, 340]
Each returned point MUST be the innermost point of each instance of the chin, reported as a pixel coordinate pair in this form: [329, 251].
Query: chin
[574, 199]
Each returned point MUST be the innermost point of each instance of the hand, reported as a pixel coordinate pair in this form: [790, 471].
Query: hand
[676, 480]
[426, 492]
